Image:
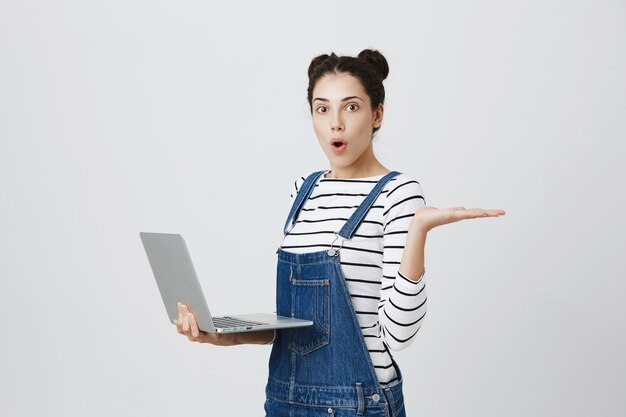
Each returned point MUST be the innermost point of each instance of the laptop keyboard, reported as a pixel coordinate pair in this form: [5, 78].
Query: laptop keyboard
[226, 322]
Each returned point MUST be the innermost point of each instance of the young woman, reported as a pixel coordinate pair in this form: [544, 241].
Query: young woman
[352, 259]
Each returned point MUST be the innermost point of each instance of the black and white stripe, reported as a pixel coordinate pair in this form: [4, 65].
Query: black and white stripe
[390, 307]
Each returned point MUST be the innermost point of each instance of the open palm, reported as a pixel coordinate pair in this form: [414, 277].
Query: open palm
[431, 217]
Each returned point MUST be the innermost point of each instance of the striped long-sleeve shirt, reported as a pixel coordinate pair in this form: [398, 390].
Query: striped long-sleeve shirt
[389, 306]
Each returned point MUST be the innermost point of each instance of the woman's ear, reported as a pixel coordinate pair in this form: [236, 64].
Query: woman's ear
[378, 115]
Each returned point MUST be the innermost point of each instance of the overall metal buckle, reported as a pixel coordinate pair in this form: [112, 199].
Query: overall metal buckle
[332, 251]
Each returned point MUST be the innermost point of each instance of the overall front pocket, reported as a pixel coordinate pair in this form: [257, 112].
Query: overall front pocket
[311, 301]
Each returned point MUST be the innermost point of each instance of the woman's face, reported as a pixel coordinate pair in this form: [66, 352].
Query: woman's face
[343, 120]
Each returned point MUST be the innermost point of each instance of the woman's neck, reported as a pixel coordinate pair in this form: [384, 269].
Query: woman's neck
[362, 170]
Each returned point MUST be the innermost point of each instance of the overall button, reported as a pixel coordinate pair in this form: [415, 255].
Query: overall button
[330, 410]
[375, 397]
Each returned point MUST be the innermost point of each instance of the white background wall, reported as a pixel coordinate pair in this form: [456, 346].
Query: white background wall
[124, 116]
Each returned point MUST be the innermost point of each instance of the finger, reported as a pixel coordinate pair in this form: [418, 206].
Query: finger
[195, 332]
[490, 212]
[185, 319]
[179, 320]
[187, 324]
[476, 212]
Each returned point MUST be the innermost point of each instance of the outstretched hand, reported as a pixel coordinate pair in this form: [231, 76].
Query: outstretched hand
[428, 218]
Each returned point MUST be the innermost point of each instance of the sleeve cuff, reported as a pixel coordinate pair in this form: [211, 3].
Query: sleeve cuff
[411, 283]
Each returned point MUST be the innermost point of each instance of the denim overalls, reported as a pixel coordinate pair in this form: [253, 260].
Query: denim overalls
[324, 369]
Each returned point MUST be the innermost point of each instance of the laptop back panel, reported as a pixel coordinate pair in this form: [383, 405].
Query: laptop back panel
[176, 277]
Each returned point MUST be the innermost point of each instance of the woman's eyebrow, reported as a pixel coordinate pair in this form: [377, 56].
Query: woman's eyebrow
[344, 99]
[351, 97]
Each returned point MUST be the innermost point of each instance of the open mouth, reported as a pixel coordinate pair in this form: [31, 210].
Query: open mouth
[338, 146]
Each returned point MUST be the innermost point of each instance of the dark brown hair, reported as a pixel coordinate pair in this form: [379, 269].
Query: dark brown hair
[370, 67]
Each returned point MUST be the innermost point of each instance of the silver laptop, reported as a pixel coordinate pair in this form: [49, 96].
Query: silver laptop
[177, 281]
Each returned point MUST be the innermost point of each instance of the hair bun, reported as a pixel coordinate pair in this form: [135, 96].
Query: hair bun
[317, 61]
[376, 60]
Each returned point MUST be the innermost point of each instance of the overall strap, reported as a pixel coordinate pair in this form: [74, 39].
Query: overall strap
[303, 194]
[348, 229]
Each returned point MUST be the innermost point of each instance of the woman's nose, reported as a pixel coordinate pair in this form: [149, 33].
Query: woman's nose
[336, 124]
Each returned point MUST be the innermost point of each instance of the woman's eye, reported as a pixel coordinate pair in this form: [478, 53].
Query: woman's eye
[352, 107]
[321, 109]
